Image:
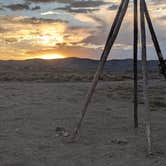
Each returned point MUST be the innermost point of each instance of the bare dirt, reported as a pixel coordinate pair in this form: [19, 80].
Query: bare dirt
[31, 112]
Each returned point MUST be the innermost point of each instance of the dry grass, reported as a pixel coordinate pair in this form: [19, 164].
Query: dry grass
[62, 76]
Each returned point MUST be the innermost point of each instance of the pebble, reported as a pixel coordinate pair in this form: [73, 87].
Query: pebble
[119, 141]
[61, 131]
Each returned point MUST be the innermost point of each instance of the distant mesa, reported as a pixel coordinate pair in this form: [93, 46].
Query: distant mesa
[73, 63]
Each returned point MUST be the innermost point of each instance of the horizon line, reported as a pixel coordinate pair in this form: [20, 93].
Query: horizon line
[58, 59]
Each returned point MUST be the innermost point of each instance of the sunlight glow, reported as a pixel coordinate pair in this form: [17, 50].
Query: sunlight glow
[50, 40]
[52, 56]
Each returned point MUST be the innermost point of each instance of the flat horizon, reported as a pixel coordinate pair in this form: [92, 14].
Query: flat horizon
[71, 58]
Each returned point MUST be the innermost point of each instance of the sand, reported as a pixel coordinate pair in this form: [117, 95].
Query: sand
[31, 112]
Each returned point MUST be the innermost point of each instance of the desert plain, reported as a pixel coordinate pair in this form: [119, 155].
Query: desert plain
[30, 113]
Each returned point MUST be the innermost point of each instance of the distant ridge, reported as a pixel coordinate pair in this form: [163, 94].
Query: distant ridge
[72, 63]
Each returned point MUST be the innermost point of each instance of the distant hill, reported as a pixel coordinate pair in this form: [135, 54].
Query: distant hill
[73, 64]
[68, 69]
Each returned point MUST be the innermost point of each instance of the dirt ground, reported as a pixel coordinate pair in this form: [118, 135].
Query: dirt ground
[31, 112]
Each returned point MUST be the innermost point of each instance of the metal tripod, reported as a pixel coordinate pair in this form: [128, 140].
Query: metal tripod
[144, 14]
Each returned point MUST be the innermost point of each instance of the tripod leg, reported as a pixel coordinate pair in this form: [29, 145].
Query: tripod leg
[135, 44]
[114, 23]
[155, 40]
[145, 79]
[105, 54]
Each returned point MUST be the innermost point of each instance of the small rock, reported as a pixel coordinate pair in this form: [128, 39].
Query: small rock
[110, 155]
[17, 130]
[120, 141]
[66, 134]
[57, 135]
[60, 129]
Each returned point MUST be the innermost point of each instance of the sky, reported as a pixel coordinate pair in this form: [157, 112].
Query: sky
[71, 28]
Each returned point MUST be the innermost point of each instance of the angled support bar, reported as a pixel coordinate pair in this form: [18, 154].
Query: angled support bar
[155, 40]
[122, 11]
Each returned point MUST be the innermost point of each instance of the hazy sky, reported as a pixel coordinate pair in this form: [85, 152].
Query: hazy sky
[70, 28]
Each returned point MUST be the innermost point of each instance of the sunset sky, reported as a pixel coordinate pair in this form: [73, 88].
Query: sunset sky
[70, 28]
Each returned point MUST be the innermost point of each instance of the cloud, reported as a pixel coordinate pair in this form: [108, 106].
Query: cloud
[86, 18]
[48, 13]
[31, 31]
[46, 1]
[11, 40]
[157, 2]
[18, 7]
[25, 6]
[70, 51]
[25, 35]
[113, 7]
[2, 29]
[73, 3]
[79, 28]
[1, 8]
[77, 10]
[82, 6]
[163, 18]
[34, 20]
[87, 3]
[36, 8]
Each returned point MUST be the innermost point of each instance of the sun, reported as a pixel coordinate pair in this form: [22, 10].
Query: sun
[52, 56]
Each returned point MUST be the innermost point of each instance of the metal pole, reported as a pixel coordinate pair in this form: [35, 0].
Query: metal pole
[145, 78]
[135, 47]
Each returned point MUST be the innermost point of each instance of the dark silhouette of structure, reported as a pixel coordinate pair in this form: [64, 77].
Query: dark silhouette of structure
[144, 14]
